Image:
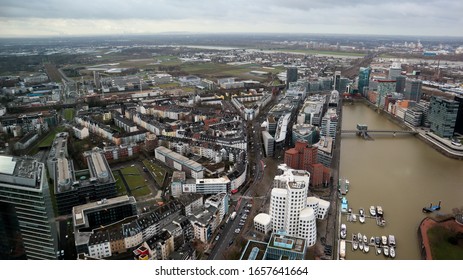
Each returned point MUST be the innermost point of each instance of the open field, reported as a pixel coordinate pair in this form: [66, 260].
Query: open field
[120, 187]
[135, 181]
[441, 248]
[69, 114]
[158, 172]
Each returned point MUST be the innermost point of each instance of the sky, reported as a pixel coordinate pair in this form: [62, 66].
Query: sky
[116, 17]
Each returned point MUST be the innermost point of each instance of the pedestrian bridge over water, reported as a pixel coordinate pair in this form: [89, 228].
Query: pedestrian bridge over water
[363, 131]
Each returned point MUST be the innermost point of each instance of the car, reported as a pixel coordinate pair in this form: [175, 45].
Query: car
[217, 237]
[231, 242]
[246, 210]
[237, 230]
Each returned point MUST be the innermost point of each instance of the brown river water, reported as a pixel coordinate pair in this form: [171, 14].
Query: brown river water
[402, 174]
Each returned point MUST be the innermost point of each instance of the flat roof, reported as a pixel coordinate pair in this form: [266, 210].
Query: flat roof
[180, 159]
[78, 211]
[7, 165]
[287, 242]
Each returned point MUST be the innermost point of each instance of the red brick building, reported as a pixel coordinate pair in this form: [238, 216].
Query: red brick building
[304, 156]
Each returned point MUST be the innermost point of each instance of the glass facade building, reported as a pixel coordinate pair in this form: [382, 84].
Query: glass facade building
[26, 204]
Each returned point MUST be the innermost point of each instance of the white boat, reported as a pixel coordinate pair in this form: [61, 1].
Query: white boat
[366, 248]
[391, 240]
[379, 211]
[372, 240]
[362, 219]
[342, 249]
[359, 237]
[343, 231]
[362, 212]
[361, 246]
[372, 211]
[378, 250]
[384, 240]
[365, 239]
[386, 251]
[392, 252]
[355, 245]
[354, 218]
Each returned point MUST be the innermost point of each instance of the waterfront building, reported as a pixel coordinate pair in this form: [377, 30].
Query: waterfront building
[288, 204]
[459, 121]
[319, 206]
[413, 89]
[26, 207]
[364, 78]
[385, 87]
[423, 106]
[325, 151]
[414, 116]
[305, 157]
[400, 83]
[304, 132]
[263, 223]
[443, 116]
[329, 123]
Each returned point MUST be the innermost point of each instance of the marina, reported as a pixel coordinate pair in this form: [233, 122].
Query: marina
[384, 245]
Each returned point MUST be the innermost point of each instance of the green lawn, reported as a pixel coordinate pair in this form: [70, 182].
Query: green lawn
[120, 187]
[135, 181]
[441, 248]
[69, 114]
[158, 172]
[168, 85]
[47, 141]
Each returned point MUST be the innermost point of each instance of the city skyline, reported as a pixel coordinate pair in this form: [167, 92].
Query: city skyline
[68, 18]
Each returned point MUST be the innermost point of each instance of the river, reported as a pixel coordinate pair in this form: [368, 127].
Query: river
[402, 174]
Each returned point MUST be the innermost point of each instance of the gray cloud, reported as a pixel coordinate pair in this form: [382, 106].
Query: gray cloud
[319, 16]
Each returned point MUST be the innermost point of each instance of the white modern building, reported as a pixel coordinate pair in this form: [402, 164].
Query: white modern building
[288, 205]
[263, 223]
[329, 123]
[319, 206]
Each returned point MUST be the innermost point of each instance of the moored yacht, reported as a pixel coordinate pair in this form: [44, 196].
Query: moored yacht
[372, 211]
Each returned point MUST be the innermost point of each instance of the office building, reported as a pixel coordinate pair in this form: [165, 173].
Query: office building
[174, 160]
[329, 123]
[98, 182]
[288, 204]
[269, 143]
[394, 71]
[305, 157]
[337, 81]
[413, 89]
[443, 116]
[280, 247]
[400, 83]
[364, 79]
[26, 210]
[291, 75]
[459, 121]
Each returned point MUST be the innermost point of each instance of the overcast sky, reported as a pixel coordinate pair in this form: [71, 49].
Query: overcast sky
[97, 17]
